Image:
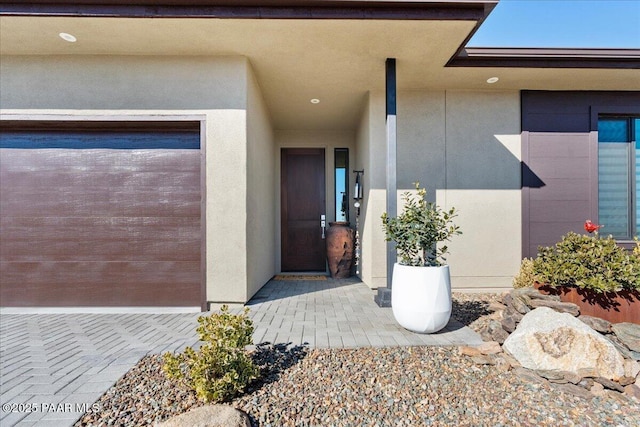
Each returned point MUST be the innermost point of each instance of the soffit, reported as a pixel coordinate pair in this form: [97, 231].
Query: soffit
[336, 61]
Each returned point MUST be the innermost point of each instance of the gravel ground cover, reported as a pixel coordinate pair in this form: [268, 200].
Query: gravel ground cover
[401, 386]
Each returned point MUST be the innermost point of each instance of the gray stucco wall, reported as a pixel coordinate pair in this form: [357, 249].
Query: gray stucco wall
[166, 88]
[464, 147]
[261, 174]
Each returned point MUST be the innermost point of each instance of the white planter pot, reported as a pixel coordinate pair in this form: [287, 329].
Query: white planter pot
[421, 297]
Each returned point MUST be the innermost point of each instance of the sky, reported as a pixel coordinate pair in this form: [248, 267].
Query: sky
[561, 23]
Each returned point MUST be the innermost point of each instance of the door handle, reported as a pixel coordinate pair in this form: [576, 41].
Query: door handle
[323, 224]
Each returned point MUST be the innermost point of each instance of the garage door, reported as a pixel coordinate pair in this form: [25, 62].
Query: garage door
[100, 218]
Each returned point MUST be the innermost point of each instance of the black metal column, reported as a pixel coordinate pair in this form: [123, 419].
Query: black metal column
[383, 298]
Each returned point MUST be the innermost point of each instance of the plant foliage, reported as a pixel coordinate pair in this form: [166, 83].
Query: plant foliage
[526, 276]
[419, 228]
[221, 367]
[588, 262]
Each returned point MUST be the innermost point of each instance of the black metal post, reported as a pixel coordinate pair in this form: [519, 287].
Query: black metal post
[383, 298]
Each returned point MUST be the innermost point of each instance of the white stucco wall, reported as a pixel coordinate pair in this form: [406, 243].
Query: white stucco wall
[464, 147]
[261, 173]
[165, 87]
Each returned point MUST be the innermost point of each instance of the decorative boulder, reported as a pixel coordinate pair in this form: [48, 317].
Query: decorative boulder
[209, 416]
[546, 339]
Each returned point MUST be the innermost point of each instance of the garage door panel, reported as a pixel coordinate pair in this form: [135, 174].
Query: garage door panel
[21, 250]
[179, 202]
[99, 283]
[110, 161]
[100, 219]
[94, 229]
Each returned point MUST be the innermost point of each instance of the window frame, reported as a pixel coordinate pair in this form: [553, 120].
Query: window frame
[634, 200]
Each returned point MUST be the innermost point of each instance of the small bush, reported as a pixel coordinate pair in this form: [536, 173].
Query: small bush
[588, 262]
[221, 368]
[526, 277]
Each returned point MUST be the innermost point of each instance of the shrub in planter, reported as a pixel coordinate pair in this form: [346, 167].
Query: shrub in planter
[526, 276]
[221, 368]
[419, 228]
[588, 262]
[421, 284]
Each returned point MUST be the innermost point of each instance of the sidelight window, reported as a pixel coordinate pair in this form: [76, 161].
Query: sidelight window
[341, 157]
[619, 175]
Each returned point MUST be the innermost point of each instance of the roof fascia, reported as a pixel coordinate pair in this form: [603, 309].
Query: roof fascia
[546, 58]
[473, 10]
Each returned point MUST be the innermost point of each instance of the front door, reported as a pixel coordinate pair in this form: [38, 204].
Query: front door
[302, 207]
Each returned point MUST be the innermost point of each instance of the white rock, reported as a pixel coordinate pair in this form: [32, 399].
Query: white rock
[209, 416]
[546, 339]
[631, 368]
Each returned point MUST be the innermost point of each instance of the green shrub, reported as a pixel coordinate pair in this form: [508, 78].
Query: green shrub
[588, 262]
[419, 229]
[221, 368]
[526, 277]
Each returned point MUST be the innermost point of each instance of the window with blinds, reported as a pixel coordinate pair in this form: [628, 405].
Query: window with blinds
[618, 175]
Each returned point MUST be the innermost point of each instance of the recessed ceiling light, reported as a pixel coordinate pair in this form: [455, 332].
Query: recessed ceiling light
[315, 101]
[68, 37]
[492, 80]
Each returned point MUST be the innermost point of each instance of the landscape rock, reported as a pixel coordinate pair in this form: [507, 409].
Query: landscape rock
[496, 306]
[510, 360]
[586, 383]
[632, 390]
[611, 385]
[600, 325]
[561, 307]
[631, 368]
[209, 416]
[495, 331]
[624, 381]
[629, 334]
[491, 347]
[529, 376]
[466, 350]
[515, 301]
[574, 390]
[548, 340]
[483, 360]
[622, 349]
[508, 324]
[533, 293]
[597, 389]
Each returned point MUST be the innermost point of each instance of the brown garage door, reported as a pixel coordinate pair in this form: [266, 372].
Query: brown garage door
[100, 218]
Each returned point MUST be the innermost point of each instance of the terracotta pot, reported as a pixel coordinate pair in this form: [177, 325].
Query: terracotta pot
[340, 242]
[616, 307]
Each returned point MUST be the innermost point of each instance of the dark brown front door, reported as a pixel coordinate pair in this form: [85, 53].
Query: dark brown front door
[302, 205]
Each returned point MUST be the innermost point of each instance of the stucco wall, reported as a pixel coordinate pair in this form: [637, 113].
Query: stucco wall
[261, 174]
[125, 86]
[464, 147]
[371, 156]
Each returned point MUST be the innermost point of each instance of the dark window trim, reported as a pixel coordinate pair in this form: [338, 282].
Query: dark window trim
[100, 125]
[612, 112]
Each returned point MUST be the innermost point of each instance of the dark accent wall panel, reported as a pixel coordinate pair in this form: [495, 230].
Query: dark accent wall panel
[571, 111]
[562, 199]
[560, 160]
[106, 223]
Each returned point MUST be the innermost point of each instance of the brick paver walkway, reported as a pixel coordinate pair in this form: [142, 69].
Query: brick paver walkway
[54, 366]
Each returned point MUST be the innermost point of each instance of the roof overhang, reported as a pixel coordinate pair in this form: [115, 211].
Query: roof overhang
[332, 50]
[546, 58]
[254, 9]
